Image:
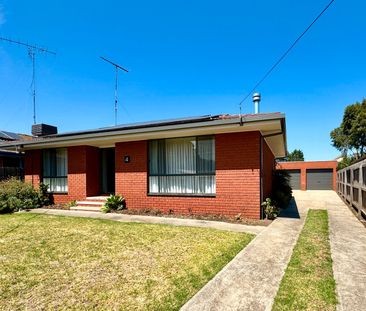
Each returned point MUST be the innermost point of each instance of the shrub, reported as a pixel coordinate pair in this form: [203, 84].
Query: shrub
[105, 209]
[44, 196]
[270, 209]
[114, 202]
[281, 189]
[16, 195]
[72, 203]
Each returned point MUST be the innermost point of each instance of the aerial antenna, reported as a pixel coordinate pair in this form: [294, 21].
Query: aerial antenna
[32, 51]
[115, 86]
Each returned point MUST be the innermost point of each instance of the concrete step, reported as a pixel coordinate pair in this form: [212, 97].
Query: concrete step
[86, 208]
[100, 203]
[97, 198]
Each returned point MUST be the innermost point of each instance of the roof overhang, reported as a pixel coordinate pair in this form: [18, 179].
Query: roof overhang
[271, 126]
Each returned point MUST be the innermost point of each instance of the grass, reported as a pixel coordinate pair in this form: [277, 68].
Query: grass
[50, 262]
[308, 283]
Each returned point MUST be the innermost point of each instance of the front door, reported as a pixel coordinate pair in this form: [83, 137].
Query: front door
[107, 170]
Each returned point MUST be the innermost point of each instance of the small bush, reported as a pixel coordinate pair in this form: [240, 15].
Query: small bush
[44, 196]
[16, 195]
[114, 202]
[105, 209]
[270, 209]
[281, 189]
[72, 203]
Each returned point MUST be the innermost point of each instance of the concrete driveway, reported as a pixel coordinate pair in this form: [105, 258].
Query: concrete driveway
[251, 280]
[348, 246]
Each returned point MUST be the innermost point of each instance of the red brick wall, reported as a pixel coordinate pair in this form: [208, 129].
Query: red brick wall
[92, 171]
[237, 179]
[32, 167]
[268, 167]
[303, 166]
[83, 172]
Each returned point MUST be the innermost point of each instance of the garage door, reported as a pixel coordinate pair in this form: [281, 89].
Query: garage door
[294, 178]
[319, 179]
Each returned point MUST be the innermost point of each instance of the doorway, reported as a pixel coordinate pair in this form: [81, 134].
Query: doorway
[107, 170]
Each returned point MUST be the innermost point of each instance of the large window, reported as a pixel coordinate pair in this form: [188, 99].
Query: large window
[182, 166]
[55, 169]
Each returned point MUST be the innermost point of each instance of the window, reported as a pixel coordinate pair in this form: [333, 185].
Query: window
[182, 166]
[55, 169]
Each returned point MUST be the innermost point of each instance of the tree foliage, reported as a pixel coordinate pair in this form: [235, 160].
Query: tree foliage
[296, 155]
[350, 136]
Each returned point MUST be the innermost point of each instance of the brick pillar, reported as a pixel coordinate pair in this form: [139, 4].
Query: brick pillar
[33, 167]
[303, 178]
[83, 172]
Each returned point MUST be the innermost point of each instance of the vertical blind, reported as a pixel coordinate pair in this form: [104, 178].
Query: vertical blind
[55, 169]
[182, 165]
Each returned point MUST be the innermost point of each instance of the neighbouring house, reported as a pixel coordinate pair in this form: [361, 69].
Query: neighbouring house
[11, 163]
[311, 175]
[218, 164]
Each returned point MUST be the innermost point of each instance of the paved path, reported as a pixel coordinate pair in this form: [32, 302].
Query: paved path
[155, 220]
[251, 280]
[348, 246]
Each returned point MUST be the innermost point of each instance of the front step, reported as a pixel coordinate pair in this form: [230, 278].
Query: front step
[86, 208]
[91, 204]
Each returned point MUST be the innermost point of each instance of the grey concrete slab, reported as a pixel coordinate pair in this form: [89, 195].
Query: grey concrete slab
[251, 280]
[155, 220]
[348, 245]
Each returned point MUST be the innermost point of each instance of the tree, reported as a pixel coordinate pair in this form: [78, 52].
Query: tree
[350, 136]
[296, 155]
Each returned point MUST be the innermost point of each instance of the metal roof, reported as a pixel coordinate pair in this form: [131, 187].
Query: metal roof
[137, 125]
[202, 125]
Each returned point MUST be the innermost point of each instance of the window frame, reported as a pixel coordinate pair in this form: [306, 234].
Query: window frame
[170, 194]
[43, 176]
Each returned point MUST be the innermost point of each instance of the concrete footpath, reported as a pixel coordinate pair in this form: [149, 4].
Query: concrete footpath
[154, 220]
[348, 245]
[251, 280]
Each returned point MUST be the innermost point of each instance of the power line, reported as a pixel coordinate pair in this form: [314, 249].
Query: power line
[285, 54]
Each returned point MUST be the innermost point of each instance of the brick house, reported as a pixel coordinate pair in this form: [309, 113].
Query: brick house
[206, 165]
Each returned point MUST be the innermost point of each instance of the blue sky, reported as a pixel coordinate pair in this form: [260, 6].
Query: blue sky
[186, 58]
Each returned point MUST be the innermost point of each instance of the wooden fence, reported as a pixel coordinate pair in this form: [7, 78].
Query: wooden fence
[351, 186]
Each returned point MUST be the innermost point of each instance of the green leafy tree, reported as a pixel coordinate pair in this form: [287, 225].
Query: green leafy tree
[296, 155]
[350, 136]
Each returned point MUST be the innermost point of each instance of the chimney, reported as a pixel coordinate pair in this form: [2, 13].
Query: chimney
[43, 129]
[256, 101]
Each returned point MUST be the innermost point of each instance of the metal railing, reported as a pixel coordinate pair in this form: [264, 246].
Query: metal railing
[351, 186]
[8, 172]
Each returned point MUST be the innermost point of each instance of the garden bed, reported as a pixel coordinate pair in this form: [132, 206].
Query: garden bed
[155, 212]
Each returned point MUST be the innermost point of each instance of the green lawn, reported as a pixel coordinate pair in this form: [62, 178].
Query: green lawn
[49, 262]
[308, 283]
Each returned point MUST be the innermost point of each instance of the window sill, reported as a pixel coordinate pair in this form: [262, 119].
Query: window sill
[63, 193]
[196, 195]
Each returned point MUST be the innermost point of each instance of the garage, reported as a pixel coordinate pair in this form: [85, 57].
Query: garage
[319, 179]
[295, 177]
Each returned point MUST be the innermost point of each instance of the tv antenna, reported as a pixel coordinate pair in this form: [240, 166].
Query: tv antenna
[32, 51]
[115, 86]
